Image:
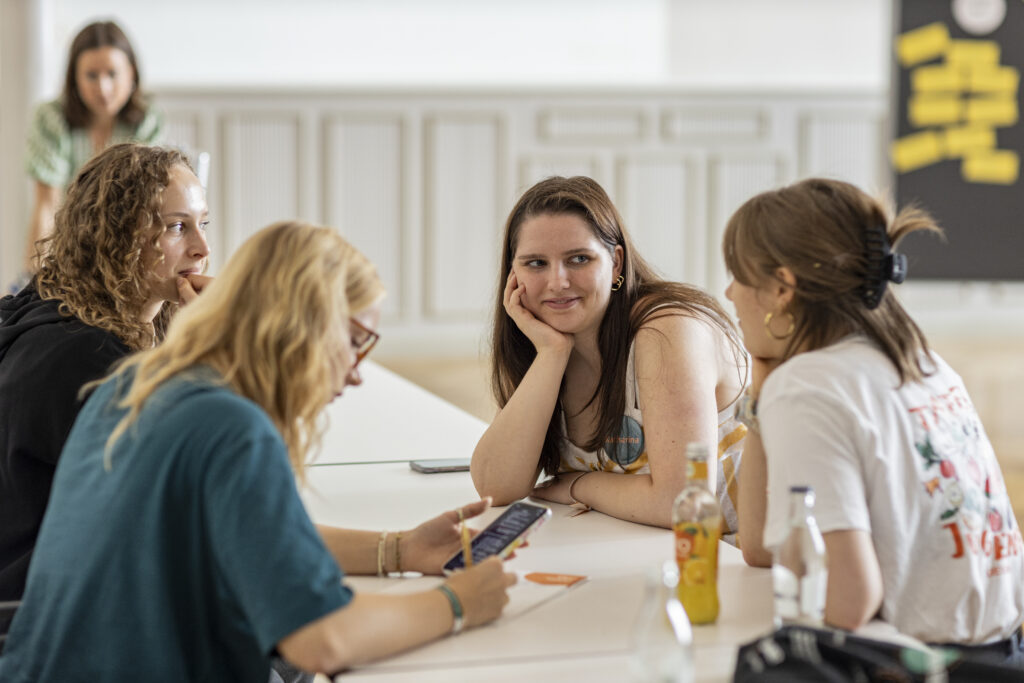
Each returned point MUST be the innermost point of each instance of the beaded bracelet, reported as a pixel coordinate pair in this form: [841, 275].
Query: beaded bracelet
[457, 613]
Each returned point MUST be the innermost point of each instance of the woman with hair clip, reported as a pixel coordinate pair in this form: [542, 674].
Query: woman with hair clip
[847, 398]
[176, 501]
[102, 103]
[128, 247]
[602, 370]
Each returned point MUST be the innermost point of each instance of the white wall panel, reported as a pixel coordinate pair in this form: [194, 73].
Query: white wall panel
[732, 181]
[363, 191]
[721, 124]
[260, 173]
[422, 180]
[655, 197]
[181, 129]
[599, 125]
[463, 163]
[845, 147]
[533, 168]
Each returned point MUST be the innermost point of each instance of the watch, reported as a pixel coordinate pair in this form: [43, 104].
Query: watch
[746, 412]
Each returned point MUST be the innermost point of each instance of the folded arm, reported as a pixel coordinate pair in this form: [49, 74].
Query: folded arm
[677, 370]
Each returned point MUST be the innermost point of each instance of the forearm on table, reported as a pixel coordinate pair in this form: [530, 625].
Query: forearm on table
[632, 497]
[354, 551]
[753, 483]
[505, 460]
[370, 627]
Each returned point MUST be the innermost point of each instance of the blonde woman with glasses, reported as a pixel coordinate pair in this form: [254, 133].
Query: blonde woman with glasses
[175, 523]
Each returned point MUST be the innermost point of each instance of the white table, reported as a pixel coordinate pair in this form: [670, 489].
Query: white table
[583, 634]
[388, 418]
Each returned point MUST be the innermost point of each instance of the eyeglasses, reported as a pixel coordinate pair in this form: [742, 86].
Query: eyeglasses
[364, 347]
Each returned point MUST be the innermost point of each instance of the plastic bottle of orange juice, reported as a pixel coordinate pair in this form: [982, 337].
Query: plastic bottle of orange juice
[697, 521]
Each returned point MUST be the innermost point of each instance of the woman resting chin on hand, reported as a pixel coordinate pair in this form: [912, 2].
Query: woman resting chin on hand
[603, 371]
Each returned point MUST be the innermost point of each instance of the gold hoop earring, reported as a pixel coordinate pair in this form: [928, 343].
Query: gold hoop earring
[618, 283]
[768, 327]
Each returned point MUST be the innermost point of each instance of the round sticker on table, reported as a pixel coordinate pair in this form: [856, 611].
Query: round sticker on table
[625, 448]
[979, 17]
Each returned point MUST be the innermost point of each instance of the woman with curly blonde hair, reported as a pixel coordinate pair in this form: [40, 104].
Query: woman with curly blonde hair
[176, 491]
[128, 246]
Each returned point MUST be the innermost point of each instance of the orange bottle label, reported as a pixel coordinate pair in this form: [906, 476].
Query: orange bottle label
[697, 557]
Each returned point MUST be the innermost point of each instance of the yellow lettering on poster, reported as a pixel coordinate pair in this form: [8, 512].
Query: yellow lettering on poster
[1003, 79]
[997, 167]
[961, 140]
[973, 53]
[914, 151]
[995, 111]
[922, 44]
[938, 78]
[931, 110]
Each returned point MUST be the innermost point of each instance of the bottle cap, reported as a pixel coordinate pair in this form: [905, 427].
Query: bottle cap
[696, 450]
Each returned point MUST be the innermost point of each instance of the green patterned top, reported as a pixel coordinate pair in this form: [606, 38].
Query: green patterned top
[55, 152]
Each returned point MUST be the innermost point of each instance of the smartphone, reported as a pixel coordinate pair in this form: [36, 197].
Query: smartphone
[503, 535]
[440, 465]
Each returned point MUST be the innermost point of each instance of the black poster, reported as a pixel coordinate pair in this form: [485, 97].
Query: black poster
[958, 138]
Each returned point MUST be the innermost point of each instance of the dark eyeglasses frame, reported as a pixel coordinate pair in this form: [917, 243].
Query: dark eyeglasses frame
[366, 346]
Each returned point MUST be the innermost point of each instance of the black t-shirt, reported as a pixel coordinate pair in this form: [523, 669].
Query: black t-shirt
[45, 359]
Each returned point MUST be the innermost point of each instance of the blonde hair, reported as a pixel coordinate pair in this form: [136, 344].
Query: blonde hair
[268, 325]
[95, 262]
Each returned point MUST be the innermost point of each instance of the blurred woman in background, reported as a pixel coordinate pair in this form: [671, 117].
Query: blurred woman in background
[102, 103]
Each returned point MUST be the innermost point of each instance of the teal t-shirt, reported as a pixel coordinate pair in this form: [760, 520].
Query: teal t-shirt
[189, 560]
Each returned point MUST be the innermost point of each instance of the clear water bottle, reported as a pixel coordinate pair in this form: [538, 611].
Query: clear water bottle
[662, 643]
[697, 524]
[799, 569]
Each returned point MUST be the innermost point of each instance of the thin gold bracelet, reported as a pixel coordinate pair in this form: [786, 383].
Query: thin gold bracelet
[380, 552]
[398, 552]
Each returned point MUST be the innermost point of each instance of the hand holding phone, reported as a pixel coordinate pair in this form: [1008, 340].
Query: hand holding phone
[503, 535]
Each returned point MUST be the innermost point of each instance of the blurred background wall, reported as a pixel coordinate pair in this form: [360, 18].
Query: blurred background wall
[412, 126]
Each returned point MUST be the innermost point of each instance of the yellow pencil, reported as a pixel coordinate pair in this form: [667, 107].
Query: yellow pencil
[467, 551]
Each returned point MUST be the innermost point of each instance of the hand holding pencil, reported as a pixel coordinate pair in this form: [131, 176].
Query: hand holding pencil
[427, 547]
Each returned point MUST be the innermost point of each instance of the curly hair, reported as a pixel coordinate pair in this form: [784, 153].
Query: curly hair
[96, 35]
[248, 328]
[95, 263]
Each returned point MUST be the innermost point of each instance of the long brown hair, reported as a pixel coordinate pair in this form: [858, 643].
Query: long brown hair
[268, 326]
[95, 263]
[95, 35]
[820, 229]
[642, 292]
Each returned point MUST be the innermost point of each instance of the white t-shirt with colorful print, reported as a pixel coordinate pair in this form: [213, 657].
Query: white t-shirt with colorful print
[627, 453]
[911, 465]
